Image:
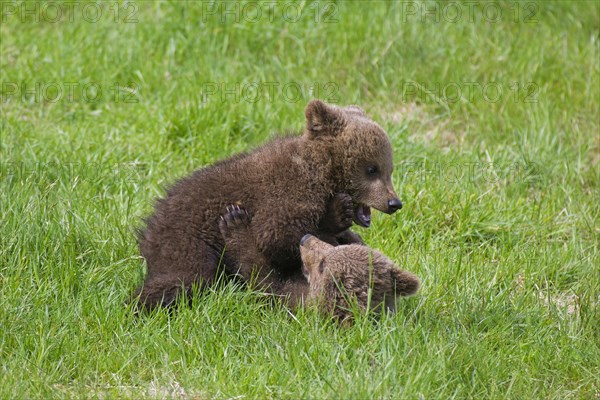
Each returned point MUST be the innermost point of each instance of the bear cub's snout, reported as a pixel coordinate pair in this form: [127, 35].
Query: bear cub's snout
[394, 205]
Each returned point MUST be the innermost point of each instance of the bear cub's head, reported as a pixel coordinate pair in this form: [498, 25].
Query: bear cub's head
[362, 156]
[340, 275]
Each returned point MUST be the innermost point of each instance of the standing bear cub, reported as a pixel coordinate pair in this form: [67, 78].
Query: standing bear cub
[317, 183]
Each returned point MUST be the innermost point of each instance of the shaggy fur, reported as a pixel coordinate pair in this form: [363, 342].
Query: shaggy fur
[295, 185]
[338, 276]
[332, 278]
[235, 227]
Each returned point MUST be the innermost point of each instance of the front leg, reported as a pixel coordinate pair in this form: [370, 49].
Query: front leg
[349, 237]
[279, 227]
[338, 215]
[334, 227]
[345, 237]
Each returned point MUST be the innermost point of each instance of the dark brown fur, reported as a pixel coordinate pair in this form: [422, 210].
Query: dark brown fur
[290, 184]
[235, 226]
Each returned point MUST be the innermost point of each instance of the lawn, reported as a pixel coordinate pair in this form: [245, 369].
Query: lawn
[493, 110]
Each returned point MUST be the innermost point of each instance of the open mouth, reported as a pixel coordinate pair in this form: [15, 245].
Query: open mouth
[362, 215]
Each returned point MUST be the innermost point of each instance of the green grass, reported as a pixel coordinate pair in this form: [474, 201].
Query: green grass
[501, 218]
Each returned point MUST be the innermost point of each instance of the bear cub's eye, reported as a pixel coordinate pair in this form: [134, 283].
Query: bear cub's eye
[372, 170]
[322, 266]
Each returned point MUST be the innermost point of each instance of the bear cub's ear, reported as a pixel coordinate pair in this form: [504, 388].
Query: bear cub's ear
[405, 283]
[323, 119]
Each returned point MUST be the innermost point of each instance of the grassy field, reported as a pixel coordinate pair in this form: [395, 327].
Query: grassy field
[493, 110]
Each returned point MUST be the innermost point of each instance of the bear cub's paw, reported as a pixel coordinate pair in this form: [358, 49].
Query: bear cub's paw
[235, 219]
[339, 215]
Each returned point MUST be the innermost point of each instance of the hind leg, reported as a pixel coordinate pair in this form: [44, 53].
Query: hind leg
[243, 256]
[252, 265]
[173, 268]
[162, 291]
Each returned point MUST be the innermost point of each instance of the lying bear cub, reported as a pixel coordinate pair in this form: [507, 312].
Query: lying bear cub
[318, 183]
[339, 276]
[334, 276]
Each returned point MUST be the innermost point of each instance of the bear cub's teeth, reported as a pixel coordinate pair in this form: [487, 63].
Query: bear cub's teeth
[362, 215]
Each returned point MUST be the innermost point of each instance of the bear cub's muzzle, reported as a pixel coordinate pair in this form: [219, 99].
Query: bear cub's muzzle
[394, 205]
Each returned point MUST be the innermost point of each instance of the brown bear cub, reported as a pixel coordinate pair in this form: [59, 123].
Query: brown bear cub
[317, 183]
[334, 278]
[341, 276]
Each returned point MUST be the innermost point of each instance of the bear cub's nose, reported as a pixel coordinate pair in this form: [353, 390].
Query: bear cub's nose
[394, 205]
[305, 238]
